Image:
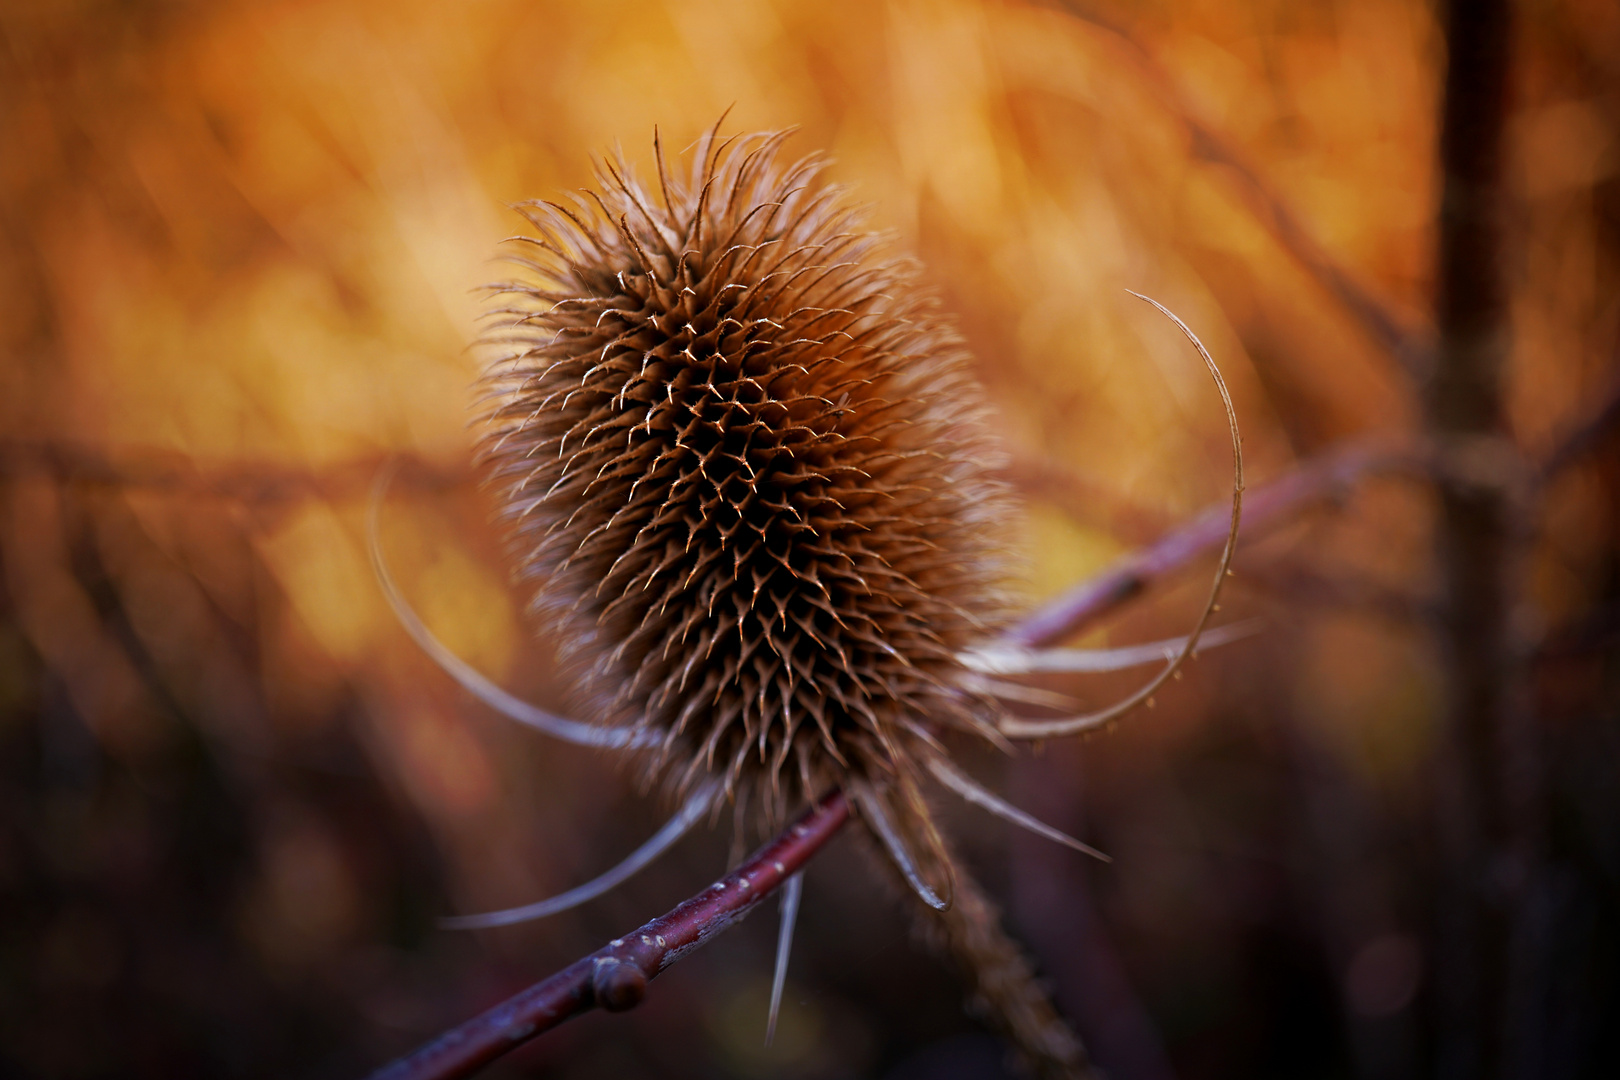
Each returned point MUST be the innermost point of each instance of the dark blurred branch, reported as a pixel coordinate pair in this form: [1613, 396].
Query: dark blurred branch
[1477, 464]
[1084, 499]
[1297, 583]
[616, 977]
[1487, 974]
[1587, 435]
[1597, 629]
[1407, 345]
[1327, 478]
[169, 470]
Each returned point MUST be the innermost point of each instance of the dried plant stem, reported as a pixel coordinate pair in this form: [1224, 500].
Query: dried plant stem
[616, 977]
[1273, 504]
[1005, 990]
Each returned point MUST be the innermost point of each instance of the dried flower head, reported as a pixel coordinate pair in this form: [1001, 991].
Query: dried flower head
[746, 466]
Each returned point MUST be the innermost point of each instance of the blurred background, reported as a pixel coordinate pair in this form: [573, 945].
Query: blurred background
[239, 251]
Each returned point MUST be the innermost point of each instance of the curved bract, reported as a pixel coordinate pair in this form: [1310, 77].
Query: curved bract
[470, 678]
[699, 803]
[1074, 725]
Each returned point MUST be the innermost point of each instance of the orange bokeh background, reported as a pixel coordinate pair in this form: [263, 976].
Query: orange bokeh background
[242, 245]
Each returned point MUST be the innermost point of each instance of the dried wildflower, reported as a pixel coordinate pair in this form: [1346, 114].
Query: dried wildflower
[745, 466]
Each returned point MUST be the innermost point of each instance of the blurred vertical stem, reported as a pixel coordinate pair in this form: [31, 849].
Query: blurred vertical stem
[1487, 820]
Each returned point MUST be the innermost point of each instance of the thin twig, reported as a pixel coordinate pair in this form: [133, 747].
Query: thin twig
[1326, 478]
[1407, 345]
[1586, 435]
[616, 977]
[1084, 499]
[170, 470]
[1300, 584]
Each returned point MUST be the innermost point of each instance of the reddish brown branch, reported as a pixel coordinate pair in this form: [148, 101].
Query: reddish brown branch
[616, 977]
[1326, 478]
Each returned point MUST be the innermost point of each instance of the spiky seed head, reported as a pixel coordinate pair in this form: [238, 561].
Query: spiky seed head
[746, 466]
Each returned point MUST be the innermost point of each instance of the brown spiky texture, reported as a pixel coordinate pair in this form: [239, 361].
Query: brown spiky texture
[747, 469]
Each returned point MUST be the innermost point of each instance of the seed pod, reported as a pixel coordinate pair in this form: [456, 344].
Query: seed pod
[746, 467]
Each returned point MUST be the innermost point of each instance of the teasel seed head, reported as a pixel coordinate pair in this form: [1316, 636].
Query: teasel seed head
[747, 469]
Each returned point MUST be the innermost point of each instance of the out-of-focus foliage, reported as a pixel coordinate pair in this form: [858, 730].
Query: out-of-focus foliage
[240, 250]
